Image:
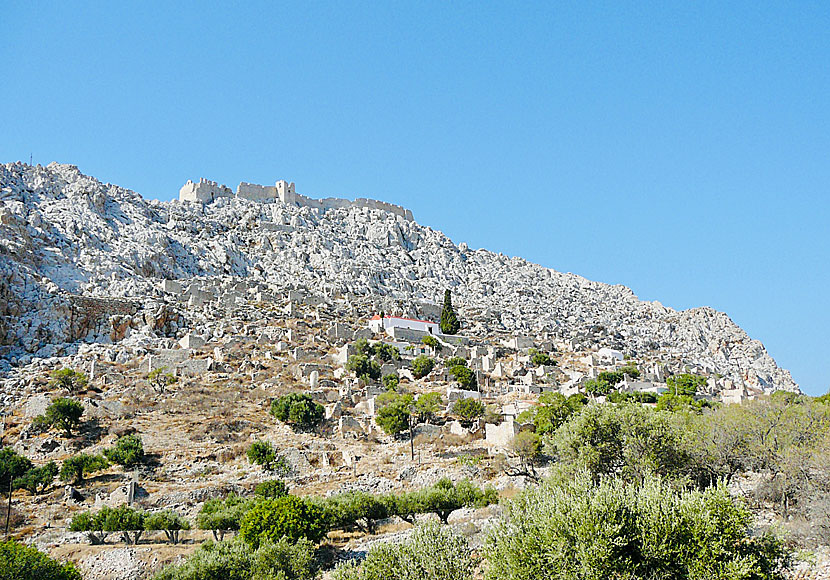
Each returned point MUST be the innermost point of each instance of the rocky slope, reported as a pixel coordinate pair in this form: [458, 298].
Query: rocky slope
[64, 234]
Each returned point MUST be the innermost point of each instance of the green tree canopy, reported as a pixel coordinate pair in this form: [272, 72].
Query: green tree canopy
[298, 410]
[422, 365]
[128, 451]
[19, 562]
[449, 321]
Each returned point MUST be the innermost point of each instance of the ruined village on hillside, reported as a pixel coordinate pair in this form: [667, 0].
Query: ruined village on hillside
[397, 392]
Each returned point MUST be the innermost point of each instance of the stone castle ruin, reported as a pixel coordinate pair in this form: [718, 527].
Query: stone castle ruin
[206, 191]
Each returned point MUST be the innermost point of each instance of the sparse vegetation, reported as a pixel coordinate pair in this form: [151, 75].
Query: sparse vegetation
[69, 379]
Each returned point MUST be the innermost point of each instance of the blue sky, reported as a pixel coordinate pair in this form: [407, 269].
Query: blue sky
[681, 149]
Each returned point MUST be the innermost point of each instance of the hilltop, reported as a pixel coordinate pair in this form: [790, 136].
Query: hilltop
[66, 235]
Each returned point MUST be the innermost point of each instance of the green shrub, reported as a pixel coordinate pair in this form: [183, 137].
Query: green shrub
[63, 413]
[576, 529]
[468, 408]
[628, 441]
[422, 365]
[271, 489]
[552, 412]
[128, 451]
[290, 516]
[12, 466]
[160, 379]
[363, 367]
[432, 552]
[394, 412]
[71, 380]
[265, 454]
[466, 378]
[19, 562]
[169, 521]
[223, 515]
[432, 342]
[37, 479]
[455, 361]
[391, 382]
[236, 560]
[686, 384]
[539, 358]
[298, 410]
[597, 387]
[428, 404]
[356, 509]
[76, 468]
[124, 519]
[386, 352]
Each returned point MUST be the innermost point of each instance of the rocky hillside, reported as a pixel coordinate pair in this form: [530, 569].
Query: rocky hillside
[65, 236]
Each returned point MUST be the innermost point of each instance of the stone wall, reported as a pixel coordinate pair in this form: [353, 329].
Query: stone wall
[207, 191]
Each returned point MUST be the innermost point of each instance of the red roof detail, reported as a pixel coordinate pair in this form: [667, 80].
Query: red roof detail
[375, 317]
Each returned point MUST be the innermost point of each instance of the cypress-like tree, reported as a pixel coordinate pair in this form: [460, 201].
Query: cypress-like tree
[449, 321]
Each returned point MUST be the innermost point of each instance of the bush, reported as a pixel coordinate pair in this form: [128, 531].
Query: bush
[169, 521]
[37, 479]
[63, 413]
[71, 380]
[628, 441]
[12, 466]
[283, 560]
[597, 387]
[363, 367]
[455, 361]
[540, 358]
[430, 553]
[76, 468]
[122, 519]
[298, 410]
[265, 454]
[391, 382]
[576, 529]
[465, 377]
[19, 562]
[289, 516]
[386, 352]
[271, 489]
[128, 451]
[394, 412]
[443, 498]
[422, 365]
[685, 384]
[160, 379]
[468, 408]
[432, 342]
[223, 515]
[356, 508]
[428, 404]
[552, 412]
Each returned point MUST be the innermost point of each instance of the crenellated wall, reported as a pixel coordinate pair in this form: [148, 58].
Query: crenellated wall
[207, 191]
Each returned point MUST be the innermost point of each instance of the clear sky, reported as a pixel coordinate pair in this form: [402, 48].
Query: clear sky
[679, 148]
